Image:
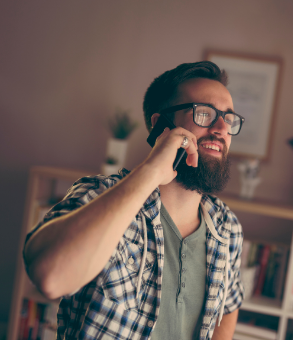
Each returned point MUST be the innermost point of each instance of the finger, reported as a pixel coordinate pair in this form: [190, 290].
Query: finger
[179, 131]
[164, 133]
[190, 145]
[192, 160]
[185, 142]
[192, 151]
[166, 130]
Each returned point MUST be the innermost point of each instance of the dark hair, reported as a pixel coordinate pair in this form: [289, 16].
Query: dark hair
[164, 88]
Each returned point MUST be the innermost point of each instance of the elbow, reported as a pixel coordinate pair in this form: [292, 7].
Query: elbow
[42, 274]
[45, 282]
[48, 291]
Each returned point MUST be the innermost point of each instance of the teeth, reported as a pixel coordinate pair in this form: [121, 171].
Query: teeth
[213, 147]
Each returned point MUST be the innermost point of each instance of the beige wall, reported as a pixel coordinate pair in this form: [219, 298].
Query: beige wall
[66, 65]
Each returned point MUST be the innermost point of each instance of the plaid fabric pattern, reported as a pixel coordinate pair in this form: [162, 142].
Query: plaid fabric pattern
[107, 307]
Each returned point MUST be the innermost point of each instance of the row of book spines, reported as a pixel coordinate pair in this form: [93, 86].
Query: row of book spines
[272, 261]
[32, 320]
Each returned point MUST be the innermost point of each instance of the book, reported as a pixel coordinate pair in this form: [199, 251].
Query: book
[280, 275]
[32, 311]
[264, 254]
[37, 321]
[253, 254]
[276, 272]
[41, 313]
[270, 273]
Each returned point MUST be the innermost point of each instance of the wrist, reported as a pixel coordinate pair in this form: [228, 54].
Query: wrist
[149, 172]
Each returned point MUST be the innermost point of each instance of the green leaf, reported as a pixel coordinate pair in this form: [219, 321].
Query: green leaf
[121, 125]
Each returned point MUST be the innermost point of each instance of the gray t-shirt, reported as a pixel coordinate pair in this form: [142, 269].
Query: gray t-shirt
[184, 278]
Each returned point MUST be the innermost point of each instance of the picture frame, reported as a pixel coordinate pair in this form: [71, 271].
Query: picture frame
[254, 83]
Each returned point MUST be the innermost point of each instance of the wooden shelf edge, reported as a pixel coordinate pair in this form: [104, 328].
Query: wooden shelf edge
[61, 173]
[263, 306]
[258, 207]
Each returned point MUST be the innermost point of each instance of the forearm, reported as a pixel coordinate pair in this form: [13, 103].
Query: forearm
[70, 251]
[227, 327]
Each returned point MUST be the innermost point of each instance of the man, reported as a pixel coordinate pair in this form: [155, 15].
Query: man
[149, 254]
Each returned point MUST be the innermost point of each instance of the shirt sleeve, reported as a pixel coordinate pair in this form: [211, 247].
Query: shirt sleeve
[235, 289]
[81, 192]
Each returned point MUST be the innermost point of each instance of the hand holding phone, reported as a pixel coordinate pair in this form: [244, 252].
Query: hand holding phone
[158, 129]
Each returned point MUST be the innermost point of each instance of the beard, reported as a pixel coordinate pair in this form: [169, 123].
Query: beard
[210, 176]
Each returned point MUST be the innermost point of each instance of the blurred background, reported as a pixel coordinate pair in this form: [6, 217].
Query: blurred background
[65, 66]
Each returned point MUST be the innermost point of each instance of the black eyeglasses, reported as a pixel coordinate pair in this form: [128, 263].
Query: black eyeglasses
[205, 115]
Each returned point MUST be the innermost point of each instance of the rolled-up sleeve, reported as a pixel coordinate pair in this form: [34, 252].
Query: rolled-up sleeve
[235, 288]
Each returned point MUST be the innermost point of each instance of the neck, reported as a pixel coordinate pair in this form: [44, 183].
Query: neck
[183, 206]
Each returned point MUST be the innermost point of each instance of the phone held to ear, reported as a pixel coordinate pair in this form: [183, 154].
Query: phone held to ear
[158, 129]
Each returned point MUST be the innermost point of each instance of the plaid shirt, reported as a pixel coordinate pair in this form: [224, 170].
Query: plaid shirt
[107, 307]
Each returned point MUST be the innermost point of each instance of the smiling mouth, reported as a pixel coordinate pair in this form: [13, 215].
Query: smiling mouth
[211, 146]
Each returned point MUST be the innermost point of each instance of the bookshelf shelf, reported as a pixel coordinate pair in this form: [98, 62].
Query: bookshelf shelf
[263, 305]
[248, 332]
[259, 207]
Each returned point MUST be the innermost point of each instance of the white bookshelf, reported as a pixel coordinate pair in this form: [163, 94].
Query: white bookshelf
[43, 182]
[284, 213]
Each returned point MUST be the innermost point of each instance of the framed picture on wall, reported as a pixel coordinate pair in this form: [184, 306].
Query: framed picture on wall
[253, 83]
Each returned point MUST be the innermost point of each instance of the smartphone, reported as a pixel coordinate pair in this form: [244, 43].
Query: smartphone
[158, 129]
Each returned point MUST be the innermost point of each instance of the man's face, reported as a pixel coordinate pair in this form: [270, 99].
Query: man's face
[205, 91]
[212, 173]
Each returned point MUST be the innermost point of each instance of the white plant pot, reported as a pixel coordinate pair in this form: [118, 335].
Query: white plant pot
[110, 169]
[248, 186]
[117, 148]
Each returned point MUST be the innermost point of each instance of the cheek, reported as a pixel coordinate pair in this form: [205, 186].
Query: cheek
[180, 121]
[228, 142]
[184, 119]
[199, 131]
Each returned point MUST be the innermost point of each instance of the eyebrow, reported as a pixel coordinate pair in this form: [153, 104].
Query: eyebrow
[229, 110]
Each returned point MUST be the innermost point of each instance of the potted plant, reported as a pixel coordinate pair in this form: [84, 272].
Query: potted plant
[121, 126]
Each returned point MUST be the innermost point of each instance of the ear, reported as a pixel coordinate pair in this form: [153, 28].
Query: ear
[154, 118]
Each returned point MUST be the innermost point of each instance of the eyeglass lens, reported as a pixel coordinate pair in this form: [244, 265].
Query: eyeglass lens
[204, 116]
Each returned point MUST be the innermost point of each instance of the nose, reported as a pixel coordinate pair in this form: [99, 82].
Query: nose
[219, 128]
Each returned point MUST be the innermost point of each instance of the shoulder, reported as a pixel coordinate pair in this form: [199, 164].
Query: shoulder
[220, 210]
[93, 185]
[80, 193]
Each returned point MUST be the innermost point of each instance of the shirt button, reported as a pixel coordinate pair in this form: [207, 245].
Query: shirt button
[185, 241]
[150, 323]
[183, 256]
[131, 260]
[183, 284]
[183, 270]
